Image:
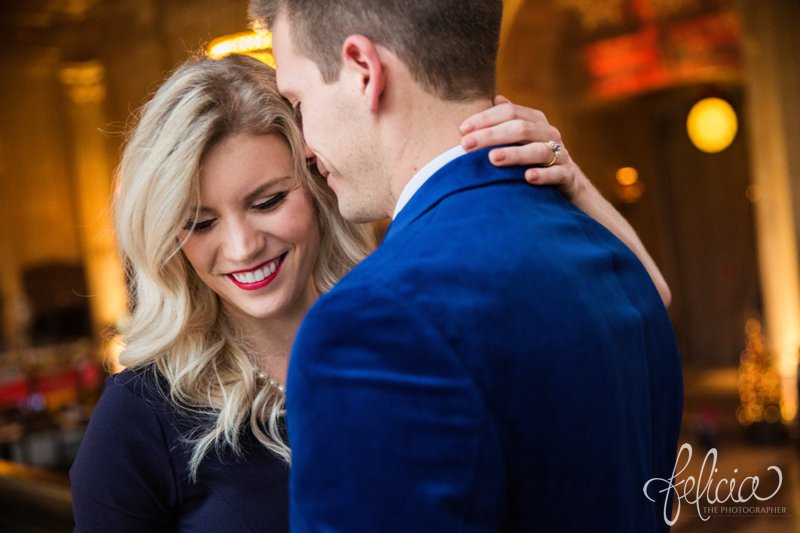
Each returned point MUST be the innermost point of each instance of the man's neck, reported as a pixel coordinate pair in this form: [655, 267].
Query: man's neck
[431, 129]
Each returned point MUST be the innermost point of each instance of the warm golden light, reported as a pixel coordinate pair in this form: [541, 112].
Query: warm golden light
[629, 189]
[712, 125]
[759, 383]
[85, 87]
[627, 176]
[84, 81]
[256, 44]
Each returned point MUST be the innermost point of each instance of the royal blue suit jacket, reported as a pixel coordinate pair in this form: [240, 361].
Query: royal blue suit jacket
[501, 363]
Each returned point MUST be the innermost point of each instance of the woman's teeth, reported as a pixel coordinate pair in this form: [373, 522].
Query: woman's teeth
[260, 274]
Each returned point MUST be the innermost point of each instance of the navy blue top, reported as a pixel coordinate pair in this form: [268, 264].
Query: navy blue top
[131, 473]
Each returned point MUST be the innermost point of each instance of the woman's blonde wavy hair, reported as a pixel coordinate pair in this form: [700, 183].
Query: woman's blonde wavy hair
[178, 327]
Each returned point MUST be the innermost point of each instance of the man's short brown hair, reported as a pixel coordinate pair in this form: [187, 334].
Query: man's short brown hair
[449, 46]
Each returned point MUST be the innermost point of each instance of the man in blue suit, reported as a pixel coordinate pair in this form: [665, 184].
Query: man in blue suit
[501, 362]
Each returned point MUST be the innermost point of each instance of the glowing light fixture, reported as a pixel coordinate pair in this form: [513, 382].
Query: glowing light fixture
[629, 189]
[712, 125]
[627, 176]
[256, 44]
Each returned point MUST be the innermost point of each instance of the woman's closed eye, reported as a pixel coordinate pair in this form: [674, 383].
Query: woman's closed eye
[199, 226]
[264, 205]
[271, 202]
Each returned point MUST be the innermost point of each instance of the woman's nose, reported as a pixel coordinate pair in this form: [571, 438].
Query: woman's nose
[242, 242]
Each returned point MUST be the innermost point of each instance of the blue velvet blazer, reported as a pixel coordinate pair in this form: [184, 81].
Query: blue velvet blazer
[501, 363]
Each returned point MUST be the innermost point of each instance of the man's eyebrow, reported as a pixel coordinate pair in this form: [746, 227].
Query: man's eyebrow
[288, 94]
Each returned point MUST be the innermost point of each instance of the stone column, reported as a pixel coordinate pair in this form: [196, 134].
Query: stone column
[771, 44]
[85, 88]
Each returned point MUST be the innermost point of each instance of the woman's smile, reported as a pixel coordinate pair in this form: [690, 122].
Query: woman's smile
[258, 277]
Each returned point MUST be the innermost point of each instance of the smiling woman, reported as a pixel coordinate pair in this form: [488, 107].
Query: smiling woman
[256, 238]
[229, 238]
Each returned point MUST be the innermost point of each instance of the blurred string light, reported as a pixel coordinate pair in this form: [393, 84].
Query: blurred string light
[712, 125]
[257, 44]
[759, 381]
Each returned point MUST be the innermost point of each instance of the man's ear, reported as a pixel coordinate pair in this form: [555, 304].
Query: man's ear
[361, 58]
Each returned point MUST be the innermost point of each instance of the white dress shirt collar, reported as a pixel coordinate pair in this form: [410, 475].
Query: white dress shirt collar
[422, 175]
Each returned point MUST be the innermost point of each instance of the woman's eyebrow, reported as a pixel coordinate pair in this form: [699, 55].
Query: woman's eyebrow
[261, 189]
[202, 210]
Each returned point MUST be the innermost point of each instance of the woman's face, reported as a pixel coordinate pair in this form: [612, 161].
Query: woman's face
[255, 238]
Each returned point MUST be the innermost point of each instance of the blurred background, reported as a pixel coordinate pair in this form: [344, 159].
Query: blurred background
[684, 113]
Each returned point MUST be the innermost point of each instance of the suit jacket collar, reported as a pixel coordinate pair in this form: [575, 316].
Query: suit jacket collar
[466, 172]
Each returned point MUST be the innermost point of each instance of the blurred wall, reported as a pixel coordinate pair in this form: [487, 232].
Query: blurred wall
[694, 215]
[58, 154]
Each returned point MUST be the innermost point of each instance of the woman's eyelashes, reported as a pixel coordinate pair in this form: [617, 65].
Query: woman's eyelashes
[199, 226]
[271, 202]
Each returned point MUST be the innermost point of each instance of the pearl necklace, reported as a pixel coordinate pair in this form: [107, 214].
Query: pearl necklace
[262, 378]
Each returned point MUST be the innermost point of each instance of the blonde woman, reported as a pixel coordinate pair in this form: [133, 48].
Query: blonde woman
[228, 238]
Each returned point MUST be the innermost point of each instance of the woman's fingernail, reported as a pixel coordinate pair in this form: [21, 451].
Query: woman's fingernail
[470, 143]
[498, 156]
[465, 127]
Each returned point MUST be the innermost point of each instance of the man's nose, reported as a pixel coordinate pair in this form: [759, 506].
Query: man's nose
[311, 158]
[321, 167]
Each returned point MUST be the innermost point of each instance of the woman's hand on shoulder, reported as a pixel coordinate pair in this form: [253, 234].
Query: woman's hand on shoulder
[535, 144]
[533, 138]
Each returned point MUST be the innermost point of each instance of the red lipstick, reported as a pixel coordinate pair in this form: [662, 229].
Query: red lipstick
[258, 284]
